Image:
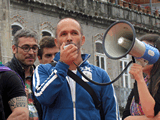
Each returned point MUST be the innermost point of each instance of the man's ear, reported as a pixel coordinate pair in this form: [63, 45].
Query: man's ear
[83, 40]
[40, 60]
[56, 43]
[14, 49]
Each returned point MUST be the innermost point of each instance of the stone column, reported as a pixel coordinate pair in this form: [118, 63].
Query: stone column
[5, 31]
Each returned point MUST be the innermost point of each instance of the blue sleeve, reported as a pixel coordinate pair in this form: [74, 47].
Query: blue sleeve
[48, 81]
[109, 100]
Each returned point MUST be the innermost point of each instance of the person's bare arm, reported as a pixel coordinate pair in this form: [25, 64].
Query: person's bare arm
[146, 99]
[143, 117]
[136, 118]
[19, 108]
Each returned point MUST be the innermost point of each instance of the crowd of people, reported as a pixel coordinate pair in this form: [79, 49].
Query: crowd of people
[48, 92]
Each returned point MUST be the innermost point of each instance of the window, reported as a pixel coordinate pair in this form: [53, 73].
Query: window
[125, 78]
[47, 33]
[100, 56]
[99, 48]
[15, 28]
[44, 33]
[100, 62]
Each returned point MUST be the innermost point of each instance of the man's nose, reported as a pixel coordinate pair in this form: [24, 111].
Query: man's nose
[52, 58]
[31, 51]
[69, 38]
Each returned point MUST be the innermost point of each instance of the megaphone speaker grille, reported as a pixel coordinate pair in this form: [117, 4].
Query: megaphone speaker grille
[112, 39]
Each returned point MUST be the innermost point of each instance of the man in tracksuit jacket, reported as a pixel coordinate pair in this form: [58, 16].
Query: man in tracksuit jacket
[60, 96]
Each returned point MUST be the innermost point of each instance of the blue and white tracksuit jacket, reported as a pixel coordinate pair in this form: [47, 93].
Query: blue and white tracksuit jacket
[52, 89]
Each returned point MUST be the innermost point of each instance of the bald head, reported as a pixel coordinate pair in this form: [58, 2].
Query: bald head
[67, 20]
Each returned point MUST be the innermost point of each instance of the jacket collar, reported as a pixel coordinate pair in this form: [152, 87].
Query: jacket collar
[18, 65]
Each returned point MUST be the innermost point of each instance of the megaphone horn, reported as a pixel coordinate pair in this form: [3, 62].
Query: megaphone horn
[120, 40]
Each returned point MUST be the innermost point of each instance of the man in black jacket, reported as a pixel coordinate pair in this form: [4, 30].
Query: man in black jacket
[25, 48]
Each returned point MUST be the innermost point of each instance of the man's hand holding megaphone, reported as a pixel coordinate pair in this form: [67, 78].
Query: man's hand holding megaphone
[68, 53]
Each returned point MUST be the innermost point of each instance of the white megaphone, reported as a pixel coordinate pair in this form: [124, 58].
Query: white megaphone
[120, 40]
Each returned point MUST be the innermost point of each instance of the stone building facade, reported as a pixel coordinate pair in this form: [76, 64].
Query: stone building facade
[95, 17]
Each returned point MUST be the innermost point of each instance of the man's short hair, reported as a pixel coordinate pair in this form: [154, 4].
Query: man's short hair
[24, 33]
[45, 42]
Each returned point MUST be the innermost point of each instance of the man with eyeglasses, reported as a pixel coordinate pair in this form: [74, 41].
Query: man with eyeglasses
[25, 48]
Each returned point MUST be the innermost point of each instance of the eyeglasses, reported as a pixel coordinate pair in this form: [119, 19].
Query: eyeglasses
[26, 48]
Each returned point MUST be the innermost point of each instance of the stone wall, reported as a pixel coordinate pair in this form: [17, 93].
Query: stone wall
[105, 11]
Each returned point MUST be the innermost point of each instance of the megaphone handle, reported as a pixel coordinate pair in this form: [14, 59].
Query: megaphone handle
[133, 59]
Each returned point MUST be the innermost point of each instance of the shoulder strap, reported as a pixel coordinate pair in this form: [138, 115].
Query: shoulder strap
[4, 68]
[87, 87]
